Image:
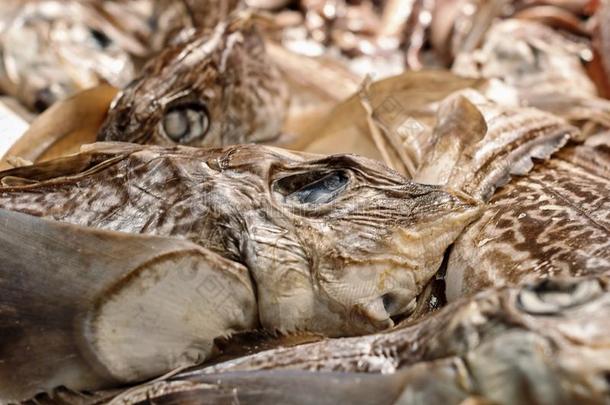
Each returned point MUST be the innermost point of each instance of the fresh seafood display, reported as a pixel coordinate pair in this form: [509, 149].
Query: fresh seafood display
[307, 201]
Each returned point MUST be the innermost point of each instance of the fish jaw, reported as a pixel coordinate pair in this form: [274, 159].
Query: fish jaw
[386, 284]
[427, 243]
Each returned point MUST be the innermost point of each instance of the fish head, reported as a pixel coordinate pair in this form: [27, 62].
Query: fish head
[216, 88]
[341, 244]
[337, 244]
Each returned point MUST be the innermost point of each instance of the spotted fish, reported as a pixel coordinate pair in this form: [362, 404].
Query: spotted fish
[543, 218]
[216, 88]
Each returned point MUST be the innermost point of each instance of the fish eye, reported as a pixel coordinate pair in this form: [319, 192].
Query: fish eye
[312, 187]
[550, 297]
[185, 122]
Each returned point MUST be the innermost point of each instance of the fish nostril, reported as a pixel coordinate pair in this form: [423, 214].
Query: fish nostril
[389, 303]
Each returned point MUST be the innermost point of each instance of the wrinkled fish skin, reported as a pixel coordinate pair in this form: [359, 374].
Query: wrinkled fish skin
[545, 343]
[553, 222]
[353, 241]
[216, 88]
[53, 48]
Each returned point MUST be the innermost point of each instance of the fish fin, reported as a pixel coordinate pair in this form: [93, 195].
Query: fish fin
[459, 124]
[476, 161]
[64, 126]
[271, 387]
[250, 342]
[87, 308]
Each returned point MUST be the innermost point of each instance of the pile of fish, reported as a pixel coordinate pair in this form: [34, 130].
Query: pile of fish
[329, 201]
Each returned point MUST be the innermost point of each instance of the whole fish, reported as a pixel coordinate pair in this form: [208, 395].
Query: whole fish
[339, 245]
[544, 343]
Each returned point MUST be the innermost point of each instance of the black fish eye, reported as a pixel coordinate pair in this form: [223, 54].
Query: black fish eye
[312, 188]
[185, 122]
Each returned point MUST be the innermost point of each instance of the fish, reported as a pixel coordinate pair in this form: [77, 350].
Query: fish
[544, 67]
[546, 212]
[51, 49]
[337, 245]
[216, 88]
[542, 343]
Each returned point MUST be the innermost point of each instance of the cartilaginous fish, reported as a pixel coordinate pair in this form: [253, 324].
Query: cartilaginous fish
[339, 245]
[544, 218]
[216, 88]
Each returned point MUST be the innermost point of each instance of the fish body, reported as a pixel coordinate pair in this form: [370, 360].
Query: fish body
[543, 343]
[337, 245]
[552, 222]
[546, 214]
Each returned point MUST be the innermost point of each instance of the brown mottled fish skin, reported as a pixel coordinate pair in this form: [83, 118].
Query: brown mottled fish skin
[337, 245]
[544, 218]
[553, 222]
[221, 78]
[545, 343]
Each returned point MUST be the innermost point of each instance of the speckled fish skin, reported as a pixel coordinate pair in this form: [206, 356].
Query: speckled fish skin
[337, 245]
[545, 343]
[544, 218]
[223, 75]
[553, 222]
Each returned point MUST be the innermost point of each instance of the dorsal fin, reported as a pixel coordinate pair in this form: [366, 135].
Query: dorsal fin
[478, 152]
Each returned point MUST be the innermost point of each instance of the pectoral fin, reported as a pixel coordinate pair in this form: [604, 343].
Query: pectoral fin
[86, 308]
